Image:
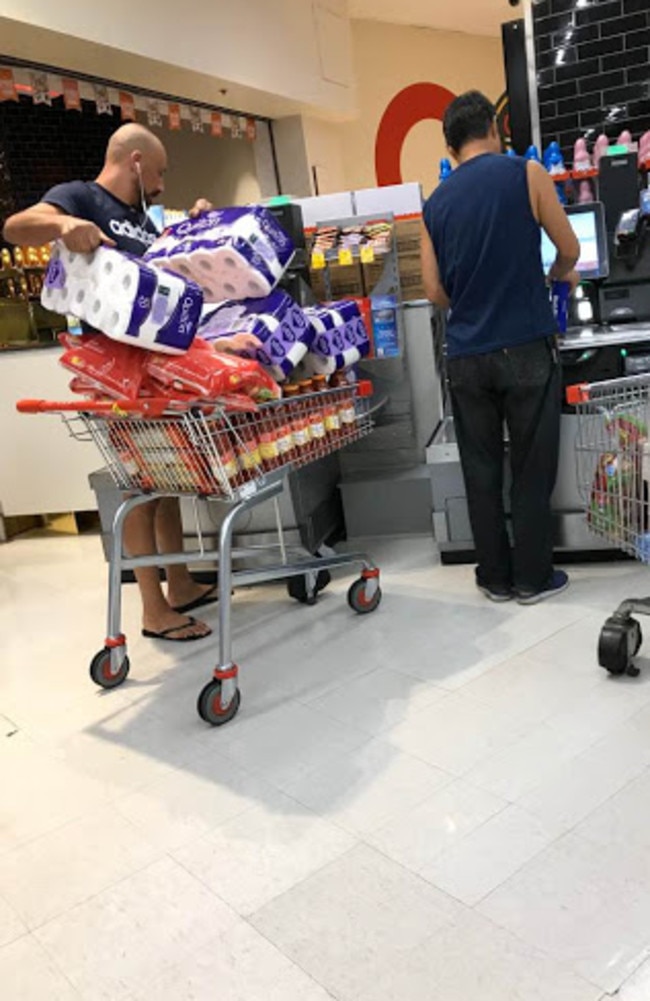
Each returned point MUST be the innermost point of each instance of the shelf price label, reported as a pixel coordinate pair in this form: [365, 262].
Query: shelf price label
[317, 260]
[367, 254]
[345, 256]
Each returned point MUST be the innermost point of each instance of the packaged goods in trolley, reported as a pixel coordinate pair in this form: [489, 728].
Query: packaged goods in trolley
[123, 297]
[613, 463]
[157, 448]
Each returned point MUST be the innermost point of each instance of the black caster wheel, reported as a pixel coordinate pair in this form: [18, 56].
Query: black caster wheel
[102, 672]
[210, 708]
[618, 643]
[298, 587]
[359, 601]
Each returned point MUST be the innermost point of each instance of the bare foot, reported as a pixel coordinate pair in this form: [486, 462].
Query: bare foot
[185, 595]
[175, 626]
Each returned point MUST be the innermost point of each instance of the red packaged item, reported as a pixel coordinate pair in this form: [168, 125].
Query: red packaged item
[111, 368]
[211, 375]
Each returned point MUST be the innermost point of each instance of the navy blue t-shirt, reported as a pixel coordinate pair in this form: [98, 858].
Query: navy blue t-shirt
[487, 242]
[132, 230]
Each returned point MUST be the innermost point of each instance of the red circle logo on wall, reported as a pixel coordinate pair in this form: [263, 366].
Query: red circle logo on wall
[417, 103]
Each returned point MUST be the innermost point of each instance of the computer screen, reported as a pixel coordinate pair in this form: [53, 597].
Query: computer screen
[588, 223]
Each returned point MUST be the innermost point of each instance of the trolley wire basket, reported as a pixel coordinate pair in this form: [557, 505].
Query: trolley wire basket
[613, 467]
[155, 448]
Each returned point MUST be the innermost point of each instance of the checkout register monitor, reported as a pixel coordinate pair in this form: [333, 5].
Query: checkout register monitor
[588, 223]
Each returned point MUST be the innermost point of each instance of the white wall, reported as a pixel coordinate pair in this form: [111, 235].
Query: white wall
[298, 49]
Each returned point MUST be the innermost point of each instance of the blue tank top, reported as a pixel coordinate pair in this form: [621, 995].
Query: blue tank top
[487, 242]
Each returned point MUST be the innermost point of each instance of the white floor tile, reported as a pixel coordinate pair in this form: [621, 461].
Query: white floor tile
[40, 791]
[456, 733]
[637, 988]
[571, 792]
[238, 966]
[366, 787]
[420, 834]
[351, 923]
[11, 926]
[377, 700]
[582, 904]
[51, 874]
[253, 858]
[485, 858]
[623, 819]
[113, 945]
[27, 973]
[286, 743]
[525, 763]
[501, 969]
[190, 802]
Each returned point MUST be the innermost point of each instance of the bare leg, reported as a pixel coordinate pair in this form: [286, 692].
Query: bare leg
[181, 586]
[157, 615]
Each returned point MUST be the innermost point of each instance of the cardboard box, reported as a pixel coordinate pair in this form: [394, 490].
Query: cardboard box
[407, 236]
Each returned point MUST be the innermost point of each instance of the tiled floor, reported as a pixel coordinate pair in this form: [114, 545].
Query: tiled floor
[443, 801]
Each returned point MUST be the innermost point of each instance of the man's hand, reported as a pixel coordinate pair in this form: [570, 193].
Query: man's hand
[237, 342]
[574, 279]
[81, 236]
[200, 205]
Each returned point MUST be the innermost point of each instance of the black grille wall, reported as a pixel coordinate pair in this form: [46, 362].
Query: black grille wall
[593, 68]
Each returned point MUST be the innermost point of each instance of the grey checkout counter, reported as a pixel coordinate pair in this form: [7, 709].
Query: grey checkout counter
[589, 354]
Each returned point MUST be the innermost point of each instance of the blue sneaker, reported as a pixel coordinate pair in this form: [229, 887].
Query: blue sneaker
[557, 582]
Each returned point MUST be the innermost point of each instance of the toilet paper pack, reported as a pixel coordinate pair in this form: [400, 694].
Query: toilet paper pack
[124, 298]
[277, 321]
[233, 254]
[340, 337]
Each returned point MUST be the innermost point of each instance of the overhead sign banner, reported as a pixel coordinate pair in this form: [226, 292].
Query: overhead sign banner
[103, 100]
[71, 96]
[7, 86]
[174, 117]
[154, 116]
[251, 129]
[41, 88]
[127, 106]
[196, 119]
[217, 124]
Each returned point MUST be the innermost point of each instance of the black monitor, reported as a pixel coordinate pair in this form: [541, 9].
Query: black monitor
[588, 223]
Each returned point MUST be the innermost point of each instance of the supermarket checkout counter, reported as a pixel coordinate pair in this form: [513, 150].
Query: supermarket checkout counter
[596, 346]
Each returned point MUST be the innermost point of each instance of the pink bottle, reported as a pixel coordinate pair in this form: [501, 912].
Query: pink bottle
[581, 158]
[644, 148]
[601, 146]
[585, 194]
[625, 138]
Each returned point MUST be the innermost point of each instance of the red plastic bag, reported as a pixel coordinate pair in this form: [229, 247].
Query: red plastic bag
[107, 367]
[210, 375]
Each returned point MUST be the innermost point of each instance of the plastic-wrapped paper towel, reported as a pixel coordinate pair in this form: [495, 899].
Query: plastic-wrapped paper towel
[340, 340]
[124, 298]
[235, 253]
[277, 321]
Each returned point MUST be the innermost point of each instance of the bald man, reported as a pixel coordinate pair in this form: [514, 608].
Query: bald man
[113, 210]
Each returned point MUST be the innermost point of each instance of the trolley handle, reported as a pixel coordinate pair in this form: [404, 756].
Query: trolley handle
[578, 393]
[148, 407]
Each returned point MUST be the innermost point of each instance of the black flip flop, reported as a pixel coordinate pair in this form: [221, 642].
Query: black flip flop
[205, 599]
[165, 633]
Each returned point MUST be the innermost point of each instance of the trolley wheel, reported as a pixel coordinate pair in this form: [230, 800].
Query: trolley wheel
[102, 673]
[297, 587]
[209, 705]
[358, 600]
[618, 643]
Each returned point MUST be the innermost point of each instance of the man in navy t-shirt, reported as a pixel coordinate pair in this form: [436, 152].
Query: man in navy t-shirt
[481, 260]
[113, 210]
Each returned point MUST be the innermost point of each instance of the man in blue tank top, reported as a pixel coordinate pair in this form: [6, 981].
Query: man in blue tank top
[481, 260]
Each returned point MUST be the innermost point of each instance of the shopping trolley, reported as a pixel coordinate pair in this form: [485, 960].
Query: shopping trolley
[159, 448]
[613, 462]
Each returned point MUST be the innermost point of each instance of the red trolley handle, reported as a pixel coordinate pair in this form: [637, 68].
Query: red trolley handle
[146, 407]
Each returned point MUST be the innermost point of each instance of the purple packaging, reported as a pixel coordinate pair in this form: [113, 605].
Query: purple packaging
[278, 322]
[124, 298]
[340, 333]
[232, 253]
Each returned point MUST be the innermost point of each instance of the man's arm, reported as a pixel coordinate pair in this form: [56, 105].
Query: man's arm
[430, 272]
[43, 223]
[553, 219]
